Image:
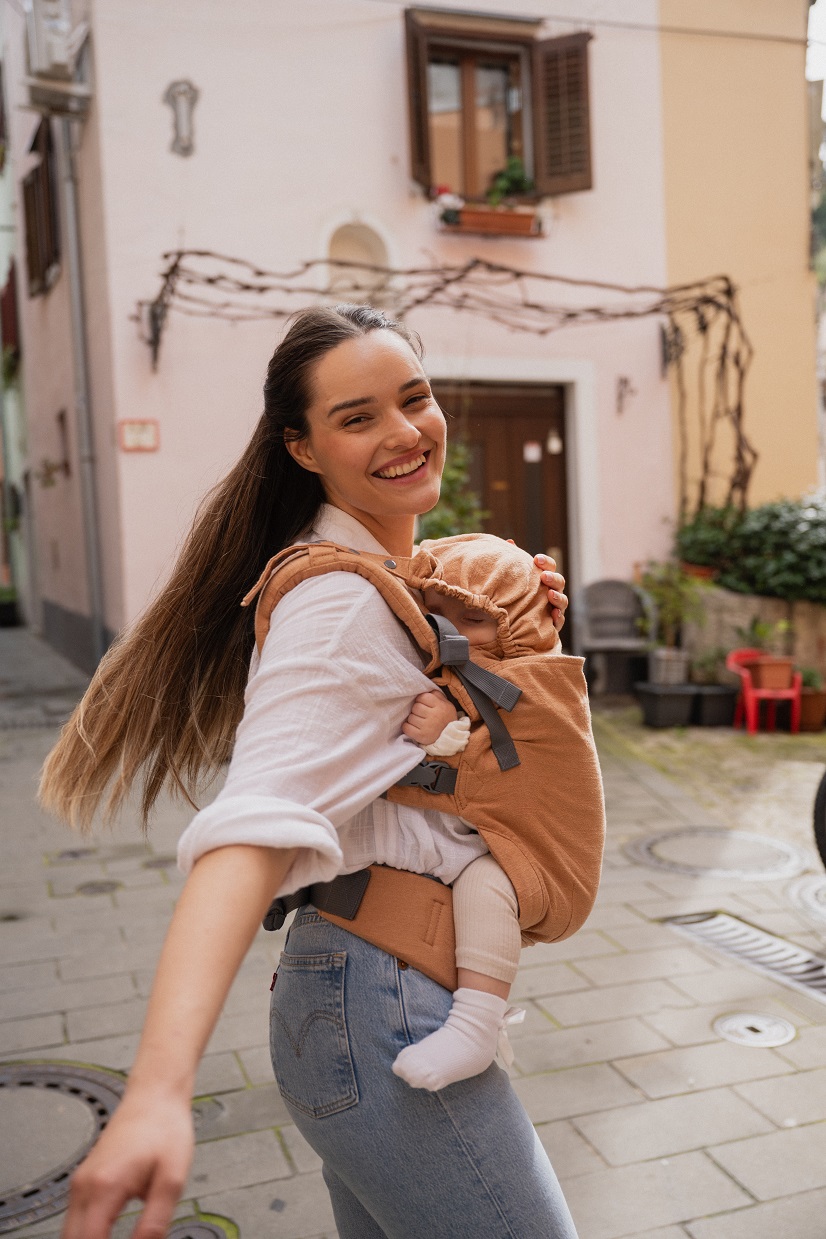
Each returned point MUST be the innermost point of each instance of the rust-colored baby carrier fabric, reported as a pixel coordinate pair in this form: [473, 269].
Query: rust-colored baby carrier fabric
[543, 820]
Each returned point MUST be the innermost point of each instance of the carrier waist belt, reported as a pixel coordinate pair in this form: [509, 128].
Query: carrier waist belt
[405, 914]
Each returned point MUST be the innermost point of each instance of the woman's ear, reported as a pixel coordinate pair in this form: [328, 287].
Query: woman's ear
[302, 453]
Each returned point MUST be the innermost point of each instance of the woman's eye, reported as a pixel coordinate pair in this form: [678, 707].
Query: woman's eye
[417, 398]
[355, 421]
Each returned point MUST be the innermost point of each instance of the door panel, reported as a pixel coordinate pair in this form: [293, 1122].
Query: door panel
[516, 435]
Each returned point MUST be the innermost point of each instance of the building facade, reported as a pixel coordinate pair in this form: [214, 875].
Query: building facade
[281, 134]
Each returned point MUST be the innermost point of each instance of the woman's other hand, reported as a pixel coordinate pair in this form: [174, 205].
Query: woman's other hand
[555, 583]
[144, 1153]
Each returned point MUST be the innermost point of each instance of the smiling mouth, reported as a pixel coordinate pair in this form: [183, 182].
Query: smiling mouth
[402, 471]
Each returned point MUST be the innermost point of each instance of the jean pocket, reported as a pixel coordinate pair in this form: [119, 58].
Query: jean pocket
[308, 1034]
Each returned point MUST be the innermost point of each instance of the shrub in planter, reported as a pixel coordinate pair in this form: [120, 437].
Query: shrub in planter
[772, 669]
[779, 551]
[9, 616]
[705, 540]
[812, 701]
[677, 597]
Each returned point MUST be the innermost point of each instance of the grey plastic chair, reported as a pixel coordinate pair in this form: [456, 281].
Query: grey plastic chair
[610, 632]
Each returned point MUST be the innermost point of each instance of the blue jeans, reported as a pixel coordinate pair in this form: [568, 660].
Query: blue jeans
[400, 1163]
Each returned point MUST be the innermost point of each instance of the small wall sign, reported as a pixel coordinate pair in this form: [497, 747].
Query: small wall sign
[139, 436]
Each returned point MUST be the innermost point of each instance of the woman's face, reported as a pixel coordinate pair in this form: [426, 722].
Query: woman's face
[376, 435]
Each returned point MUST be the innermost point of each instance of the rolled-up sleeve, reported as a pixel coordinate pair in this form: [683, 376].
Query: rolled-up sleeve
[321, 736]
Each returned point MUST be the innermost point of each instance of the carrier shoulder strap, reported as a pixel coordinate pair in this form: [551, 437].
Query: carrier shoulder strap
[298, 563]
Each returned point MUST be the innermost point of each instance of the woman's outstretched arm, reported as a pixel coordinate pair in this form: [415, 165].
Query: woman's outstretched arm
[146, 1150]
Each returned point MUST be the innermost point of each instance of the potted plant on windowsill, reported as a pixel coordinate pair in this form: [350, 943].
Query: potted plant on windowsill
[504, 213]
[812, 701]
[667, 698]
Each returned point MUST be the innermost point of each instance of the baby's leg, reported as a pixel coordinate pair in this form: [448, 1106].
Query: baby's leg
[488, 942]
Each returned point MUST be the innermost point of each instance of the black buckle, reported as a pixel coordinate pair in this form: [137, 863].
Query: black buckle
[432, 776]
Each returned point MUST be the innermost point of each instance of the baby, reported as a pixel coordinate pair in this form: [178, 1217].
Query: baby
[485, 908]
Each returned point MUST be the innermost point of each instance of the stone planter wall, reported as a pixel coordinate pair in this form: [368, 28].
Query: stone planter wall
[726, 612]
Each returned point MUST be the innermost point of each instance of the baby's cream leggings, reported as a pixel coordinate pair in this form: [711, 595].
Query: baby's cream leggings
[486, 916]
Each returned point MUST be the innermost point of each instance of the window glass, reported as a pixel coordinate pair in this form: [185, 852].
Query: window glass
[492, 122]
[445, 96]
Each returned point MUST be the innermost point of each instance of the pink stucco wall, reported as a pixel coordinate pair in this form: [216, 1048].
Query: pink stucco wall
[301, 125]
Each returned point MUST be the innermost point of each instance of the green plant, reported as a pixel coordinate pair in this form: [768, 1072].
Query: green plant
[459, 509]
[8, 593]
[763, 635]
[706, 539]
[779, 550]
[677, 596]
[706, 668]
[509, 182]
[11, 365]
[812, 678]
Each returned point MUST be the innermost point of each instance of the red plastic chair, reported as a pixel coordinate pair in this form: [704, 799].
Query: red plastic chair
[748, 703]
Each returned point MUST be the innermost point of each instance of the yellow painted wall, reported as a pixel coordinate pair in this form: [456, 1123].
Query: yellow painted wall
[737, 203]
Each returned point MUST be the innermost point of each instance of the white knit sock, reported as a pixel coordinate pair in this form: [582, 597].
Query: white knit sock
[464, 1046]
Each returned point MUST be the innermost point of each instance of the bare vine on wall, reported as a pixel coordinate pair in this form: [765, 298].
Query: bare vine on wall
[704, 341]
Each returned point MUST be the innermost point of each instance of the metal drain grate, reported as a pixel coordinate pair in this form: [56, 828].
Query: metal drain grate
[100, 1091]
[713, 852]
[776, 957]
[761, 1031]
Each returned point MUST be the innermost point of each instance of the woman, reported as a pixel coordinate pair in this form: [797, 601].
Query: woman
[350, 447]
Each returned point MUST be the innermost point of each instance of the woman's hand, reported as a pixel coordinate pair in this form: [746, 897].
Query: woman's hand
[555, 583]
[144, 1153]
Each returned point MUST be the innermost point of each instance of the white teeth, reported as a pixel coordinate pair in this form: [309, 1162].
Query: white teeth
[397, 471]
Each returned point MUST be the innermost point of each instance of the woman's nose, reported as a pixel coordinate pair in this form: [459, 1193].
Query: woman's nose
[402, 432]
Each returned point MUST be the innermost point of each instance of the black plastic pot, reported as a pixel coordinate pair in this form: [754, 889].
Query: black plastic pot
[665, 705]
[9, 617]
[714, 705]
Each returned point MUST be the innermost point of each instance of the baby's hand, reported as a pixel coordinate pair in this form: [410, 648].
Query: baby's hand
[430, 715]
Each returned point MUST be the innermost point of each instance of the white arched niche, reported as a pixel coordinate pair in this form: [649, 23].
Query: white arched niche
[358, 244]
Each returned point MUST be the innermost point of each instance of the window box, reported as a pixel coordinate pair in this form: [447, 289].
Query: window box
[496, 221]
[485, 89]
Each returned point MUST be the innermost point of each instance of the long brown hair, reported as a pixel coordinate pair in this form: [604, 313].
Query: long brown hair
[166, 699]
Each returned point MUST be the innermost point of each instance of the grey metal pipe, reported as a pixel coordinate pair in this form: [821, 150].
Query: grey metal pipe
[83, 411]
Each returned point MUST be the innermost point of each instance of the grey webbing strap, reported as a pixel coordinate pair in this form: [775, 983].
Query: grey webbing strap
[485, 689]
[454, 651]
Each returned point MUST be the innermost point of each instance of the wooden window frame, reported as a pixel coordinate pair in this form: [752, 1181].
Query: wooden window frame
[557, 91]
[40, 212]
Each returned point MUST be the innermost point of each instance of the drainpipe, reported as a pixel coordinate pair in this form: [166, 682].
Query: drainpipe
[83, 411]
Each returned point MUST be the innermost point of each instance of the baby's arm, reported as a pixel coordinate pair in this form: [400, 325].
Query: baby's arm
[436, 726]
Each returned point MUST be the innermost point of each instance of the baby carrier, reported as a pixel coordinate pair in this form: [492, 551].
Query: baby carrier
[529, 779]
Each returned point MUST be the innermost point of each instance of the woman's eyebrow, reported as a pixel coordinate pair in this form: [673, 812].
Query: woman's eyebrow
[353, 404]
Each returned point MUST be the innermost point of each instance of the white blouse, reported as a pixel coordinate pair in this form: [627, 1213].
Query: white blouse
[321, 739]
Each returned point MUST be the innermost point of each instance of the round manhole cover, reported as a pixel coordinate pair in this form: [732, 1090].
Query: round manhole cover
[56, 1112]
[197, 1228]
[747, 1028]
[712, 851]
[809, 893]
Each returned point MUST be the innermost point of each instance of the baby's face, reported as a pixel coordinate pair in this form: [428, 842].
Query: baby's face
[477, 626]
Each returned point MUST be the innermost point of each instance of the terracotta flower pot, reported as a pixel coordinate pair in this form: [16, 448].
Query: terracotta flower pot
[497, 221]
[772, 671]
[702, 572]
[812, 709]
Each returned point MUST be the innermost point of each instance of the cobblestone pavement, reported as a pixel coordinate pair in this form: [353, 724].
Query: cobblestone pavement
[657, 1127]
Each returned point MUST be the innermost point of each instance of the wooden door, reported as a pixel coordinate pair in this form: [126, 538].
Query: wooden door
[516, 435]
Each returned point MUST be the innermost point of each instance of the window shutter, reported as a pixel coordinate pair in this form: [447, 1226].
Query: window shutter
[561, 115]
[34, 265]
[417, 100]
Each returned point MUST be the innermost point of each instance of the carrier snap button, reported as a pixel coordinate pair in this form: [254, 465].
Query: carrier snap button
[402, 964]
[389, 563]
